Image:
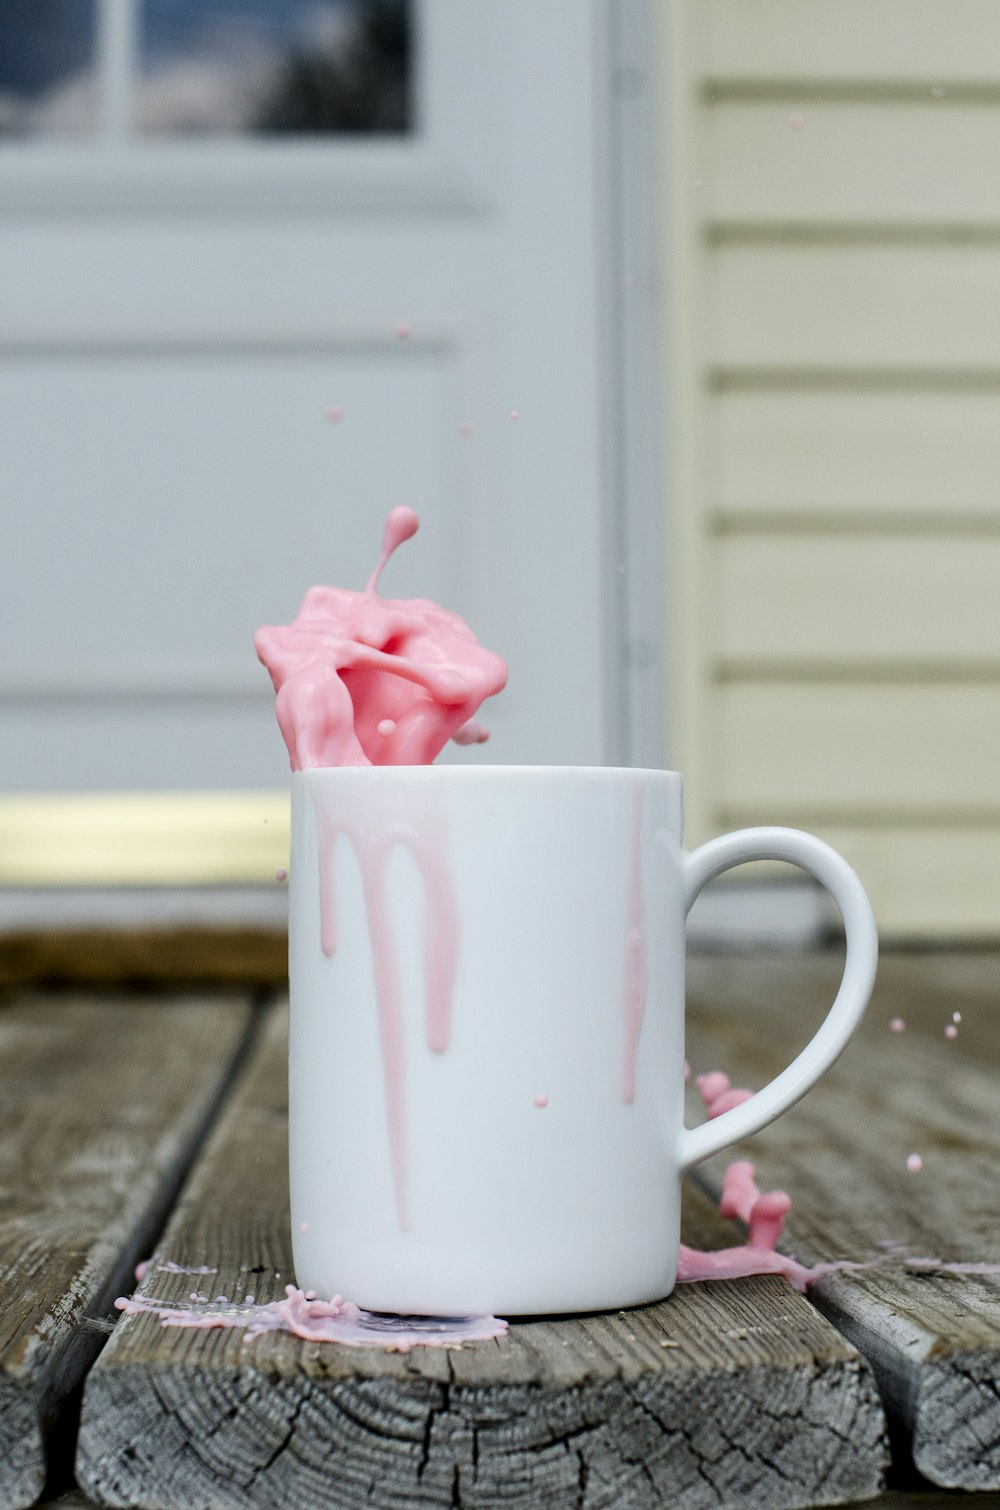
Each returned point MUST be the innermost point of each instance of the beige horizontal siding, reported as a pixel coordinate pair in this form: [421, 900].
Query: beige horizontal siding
[809, 750]
[871, 456]
[835, 341]
[854, 41]
[869, 606]
[931, 881]
[853, 164]
[882, 307]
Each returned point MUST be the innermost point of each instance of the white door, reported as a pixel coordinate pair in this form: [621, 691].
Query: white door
[185, 302]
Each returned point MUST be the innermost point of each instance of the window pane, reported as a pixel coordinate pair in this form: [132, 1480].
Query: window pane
[47, 80]
[253, 66]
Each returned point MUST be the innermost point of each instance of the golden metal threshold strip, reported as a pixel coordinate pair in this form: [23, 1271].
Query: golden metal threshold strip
[143, 838]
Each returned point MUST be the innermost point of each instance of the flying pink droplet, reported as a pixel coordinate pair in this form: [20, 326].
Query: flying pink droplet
[515, 414]
[796, 121]
[465, 429]
[335, 414]
[951, 1031]
[403, 331]
[914, 1163]
[541, 1100]
[303, 1226]
[281, 874]
[897, 1025]
[386, 726]
[956, 1017]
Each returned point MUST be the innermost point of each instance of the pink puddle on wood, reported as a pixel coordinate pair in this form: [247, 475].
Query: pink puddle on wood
[336, 1320]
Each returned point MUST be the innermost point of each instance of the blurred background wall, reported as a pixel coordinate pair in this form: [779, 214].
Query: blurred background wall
[832, 240]
[678, 321]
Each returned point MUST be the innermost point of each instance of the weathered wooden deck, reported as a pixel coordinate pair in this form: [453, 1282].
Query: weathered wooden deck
[135, 1125]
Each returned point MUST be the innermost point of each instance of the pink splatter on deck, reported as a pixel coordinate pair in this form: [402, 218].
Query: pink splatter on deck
[336, 1320]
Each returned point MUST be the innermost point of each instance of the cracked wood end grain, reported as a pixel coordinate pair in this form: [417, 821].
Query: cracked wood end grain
[101, 1104]
[933, 1338]
[759, 1403]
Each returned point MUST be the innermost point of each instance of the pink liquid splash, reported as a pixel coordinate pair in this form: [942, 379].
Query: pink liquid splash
[763, 1213]
[352, 661]
[302, 1315]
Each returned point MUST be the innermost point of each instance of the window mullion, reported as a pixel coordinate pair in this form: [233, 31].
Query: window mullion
[117, 60]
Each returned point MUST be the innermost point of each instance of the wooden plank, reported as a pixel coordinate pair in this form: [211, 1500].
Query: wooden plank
[101, 1108]
[759, 1402]
[132, 957]
[852, 39]
[878, 163]
[860, 602]
[933, 1338]
[802, 751]
[874, 306]
[908, 457]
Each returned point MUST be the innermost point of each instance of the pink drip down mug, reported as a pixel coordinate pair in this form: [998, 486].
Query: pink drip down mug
[487, 1032]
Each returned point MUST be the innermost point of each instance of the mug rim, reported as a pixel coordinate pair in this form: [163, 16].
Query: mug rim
[467, 772]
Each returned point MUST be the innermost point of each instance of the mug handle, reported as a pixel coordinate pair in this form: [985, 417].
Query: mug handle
[833, 871]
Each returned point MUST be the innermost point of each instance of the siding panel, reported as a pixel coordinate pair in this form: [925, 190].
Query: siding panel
[857, 40]
[882, 307]
[808, 751]
[859, 603]
[850, 163]
[905, 455]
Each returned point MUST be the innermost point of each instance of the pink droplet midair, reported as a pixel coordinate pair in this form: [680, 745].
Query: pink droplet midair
[897, 1025]
[541, 1100]
[795, 120]
[914, 1163]
[335, 414]
[281, 874]
[951, 1031]
[403, 331]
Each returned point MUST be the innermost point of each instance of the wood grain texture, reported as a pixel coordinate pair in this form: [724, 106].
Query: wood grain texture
[933, 1338]
[100, 1105]
[722, 1395]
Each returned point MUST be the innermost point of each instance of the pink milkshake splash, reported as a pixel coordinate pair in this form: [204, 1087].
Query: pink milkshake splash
[364, 680]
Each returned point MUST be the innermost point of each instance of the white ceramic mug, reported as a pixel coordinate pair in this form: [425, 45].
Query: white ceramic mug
[487, 1032]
